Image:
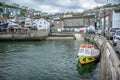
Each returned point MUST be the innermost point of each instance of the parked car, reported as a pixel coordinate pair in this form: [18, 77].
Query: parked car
[118, 46]
[116, 37]
[111, 32]
[91, 32]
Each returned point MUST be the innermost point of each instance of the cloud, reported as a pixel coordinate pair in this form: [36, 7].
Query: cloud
[49, 9]
[107, 1]
[66, 5]
[61, 5]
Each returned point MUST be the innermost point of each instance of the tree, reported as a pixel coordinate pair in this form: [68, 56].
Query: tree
[22, 13]
[1, 10]
[7, 15]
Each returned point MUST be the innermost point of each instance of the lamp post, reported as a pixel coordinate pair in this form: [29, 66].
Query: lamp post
[104, 23]
[104, 11]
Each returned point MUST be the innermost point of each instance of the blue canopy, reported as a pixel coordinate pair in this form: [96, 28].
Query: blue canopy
[4, 26]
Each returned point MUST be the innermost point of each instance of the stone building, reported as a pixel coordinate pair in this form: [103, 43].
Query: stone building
[76, 22]
[57, 24]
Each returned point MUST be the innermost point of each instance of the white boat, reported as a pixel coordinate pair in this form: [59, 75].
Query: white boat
[87, 53]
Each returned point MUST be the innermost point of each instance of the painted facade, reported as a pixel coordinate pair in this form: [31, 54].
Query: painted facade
[28, 23]
[116, 19]
[37, 23]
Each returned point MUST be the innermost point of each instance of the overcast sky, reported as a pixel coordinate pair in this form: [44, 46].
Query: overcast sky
[53, 6]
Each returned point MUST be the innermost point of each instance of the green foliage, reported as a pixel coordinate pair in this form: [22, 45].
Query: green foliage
[6, 15]
[106, 6]
[38, 16]
[0, 4]
[111, 5]
[1, 10]
[8, 6]
[91, 41]
[22, 13]
[96, 8]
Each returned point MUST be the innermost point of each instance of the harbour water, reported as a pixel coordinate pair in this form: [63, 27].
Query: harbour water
[44, 60]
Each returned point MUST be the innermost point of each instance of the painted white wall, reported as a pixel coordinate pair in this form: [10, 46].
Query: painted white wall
[106, 19]
[41, 24]
[59, 30]
[37, 23]
[28, 22]
[116, 20]
[34, 24]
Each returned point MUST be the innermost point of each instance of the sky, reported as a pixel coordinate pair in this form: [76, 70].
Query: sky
[55, 6]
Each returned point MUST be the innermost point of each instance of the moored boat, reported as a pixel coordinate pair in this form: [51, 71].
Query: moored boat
[87, 54]
[4, 26]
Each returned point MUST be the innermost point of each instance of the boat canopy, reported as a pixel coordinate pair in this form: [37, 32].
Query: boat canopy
[90, 46]
[86, 46]
[83, 46]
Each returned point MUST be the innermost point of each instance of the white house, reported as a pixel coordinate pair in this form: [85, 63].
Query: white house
[47, 25]
[41, 24]
[28, 23]
[12, 24]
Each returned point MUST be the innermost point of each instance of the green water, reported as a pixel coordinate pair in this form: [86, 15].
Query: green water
[45, 60]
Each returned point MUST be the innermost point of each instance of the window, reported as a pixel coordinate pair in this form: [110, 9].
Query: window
[114, 29]
[118, 33]
[27, 24]
[81, 50]
[40, 26]
[88, 51]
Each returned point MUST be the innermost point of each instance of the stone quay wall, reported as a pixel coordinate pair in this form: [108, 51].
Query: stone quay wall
[32, 35]
[109, 61]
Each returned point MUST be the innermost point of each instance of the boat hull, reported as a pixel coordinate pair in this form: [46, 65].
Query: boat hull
[4, 26]
[86, 59]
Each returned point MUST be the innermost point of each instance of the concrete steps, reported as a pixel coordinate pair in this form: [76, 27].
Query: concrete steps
[78, 37]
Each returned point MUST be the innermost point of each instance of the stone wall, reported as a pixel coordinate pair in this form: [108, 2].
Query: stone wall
[32, 35]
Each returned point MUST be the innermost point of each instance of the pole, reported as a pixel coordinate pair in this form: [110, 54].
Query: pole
[104, 24]
[104, 21]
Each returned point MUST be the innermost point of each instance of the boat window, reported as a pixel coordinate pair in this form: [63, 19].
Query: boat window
[92, 51]
[81, 50]
[88, 51]
[118, 33]
[27, 24]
